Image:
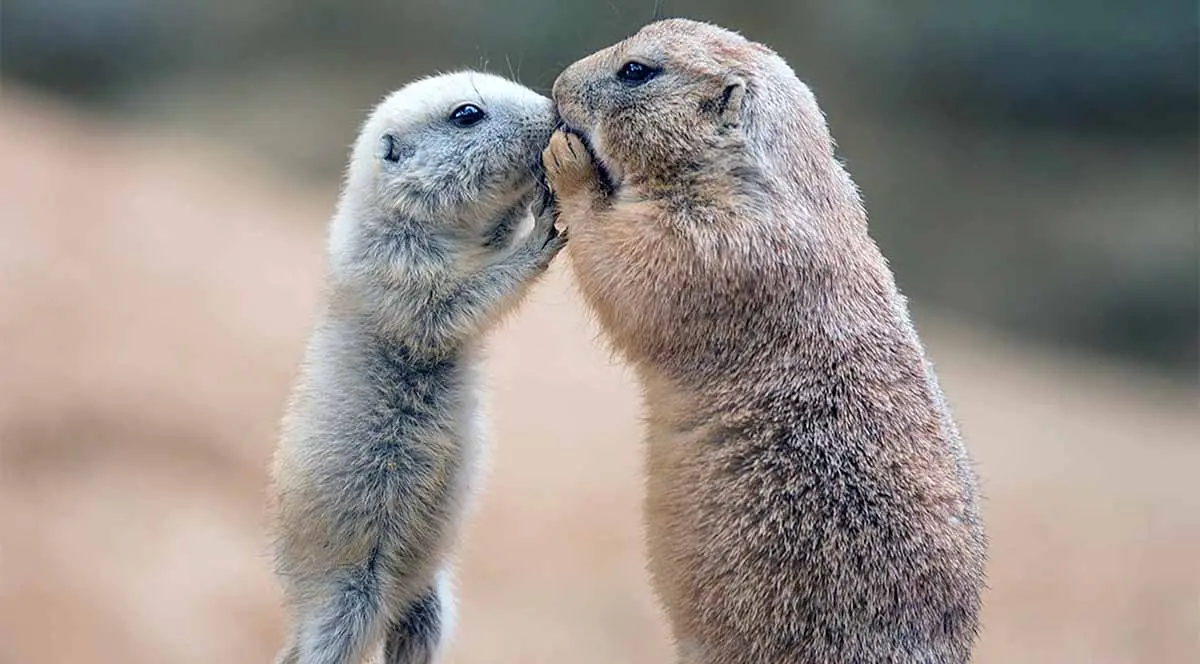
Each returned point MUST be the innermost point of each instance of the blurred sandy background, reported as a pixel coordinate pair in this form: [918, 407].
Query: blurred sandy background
[166, 170]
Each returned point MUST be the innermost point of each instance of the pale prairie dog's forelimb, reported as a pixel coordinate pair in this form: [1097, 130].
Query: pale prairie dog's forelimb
[460, 310]
[432, 308]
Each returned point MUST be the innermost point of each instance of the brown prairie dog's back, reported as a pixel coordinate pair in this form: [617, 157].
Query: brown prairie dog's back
[808, 497]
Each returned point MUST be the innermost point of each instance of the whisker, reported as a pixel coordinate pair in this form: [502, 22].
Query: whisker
[511, 75]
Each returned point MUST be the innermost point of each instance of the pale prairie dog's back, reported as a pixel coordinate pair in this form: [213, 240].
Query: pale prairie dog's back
[382, 436]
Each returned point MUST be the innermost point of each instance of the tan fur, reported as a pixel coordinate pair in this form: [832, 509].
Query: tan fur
[808, 497]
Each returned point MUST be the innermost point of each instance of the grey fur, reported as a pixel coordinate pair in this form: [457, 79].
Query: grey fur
[382, 437]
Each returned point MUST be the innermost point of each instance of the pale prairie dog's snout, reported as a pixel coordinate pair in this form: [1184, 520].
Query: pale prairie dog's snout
[544, 119]
[535, 129]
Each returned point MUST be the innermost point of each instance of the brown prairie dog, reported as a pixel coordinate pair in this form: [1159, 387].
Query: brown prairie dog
[376, 465]
[809, 499]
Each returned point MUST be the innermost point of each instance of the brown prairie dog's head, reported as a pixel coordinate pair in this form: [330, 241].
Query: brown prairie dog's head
[680, 94]
[726, 220]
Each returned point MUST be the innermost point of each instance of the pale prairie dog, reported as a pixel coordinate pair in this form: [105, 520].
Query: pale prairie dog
[808, 497]
[377, 459]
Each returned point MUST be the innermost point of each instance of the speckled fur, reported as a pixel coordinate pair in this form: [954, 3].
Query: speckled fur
[809, 500]
[383, 435]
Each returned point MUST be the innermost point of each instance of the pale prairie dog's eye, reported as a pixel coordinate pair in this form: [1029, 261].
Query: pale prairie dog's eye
[634, 72]
[466, 115]
[389, 148]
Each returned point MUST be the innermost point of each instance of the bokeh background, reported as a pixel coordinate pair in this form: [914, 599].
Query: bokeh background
[166, 170]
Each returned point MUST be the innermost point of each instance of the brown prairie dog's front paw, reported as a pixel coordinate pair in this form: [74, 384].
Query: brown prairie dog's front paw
[569, 165]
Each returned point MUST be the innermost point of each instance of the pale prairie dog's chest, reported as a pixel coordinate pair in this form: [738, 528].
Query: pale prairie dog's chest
[413, 435]
[374, 416]
[410, 401]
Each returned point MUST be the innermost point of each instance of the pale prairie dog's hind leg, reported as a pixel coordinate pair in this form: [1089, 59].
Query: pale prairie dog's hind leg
[341, 622]
[290, 653]
[417, 635]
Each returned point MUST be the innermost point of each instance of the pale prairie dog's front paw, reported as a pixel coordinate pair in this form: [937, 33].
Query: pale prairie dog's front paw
[544, 240]
[569, 165]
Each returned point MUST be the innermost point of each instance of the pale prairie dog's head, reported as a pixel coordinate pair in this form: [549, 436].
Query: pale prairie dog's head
[454, 149]
[680, 94]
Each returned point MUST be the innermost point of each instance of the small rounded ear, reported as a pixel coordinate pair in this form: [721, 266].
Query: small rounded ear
[393, 150]
[729, 106]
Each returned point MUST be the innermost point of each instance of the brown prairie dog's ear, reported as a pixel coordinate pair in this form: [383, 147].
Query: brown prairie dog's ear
[729, 106]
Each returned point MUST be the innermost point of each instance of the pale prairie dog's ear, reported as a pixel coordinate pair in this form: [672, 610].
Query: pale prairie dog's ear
[729, 106]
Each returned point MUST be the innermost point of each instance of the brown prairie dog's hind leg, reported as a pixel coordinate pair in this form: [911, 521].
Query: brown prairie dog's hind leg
[416, 636]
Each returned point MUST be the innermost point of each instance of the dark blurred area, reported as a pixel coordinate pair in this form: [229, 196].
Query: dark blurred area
[1028, 164]
[167, 168]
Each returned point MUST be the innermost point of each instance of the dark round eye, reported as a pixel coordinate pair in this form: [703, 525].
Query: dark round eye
[389, 148]
[466, 115]
[636, 72]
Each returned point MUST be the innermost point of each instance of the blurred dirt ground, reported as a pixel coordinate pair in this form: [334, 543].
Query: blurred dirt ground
[154, 297]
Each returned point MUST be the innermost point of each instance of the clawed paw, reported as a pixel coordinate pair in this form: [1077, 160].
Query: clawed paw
[568, 162]
[545, 240]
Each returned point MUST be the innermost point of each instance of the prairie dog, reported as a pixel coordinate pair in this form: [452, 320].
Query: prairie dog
[376, 463]
[809, 499]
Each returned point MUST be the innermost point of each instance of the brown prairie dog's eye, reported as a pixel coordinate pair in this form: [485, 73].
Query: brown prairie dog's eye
[635, 73]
